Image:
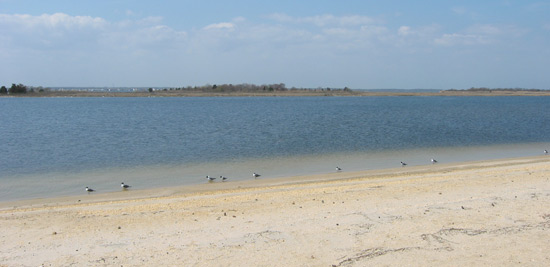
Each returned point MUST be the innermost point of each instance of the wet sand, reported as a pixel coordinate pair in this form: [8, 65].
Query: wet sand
[486, 213]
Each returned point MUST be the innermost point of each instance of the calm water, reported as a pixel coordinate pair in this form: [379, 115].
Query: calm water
[56, 146]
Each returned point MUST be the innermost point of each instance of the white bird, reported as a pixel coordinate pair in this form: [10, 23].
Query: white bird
[338, 169]
[403, 164]
[434, 161]
[223, 178]
[210, 178]
[89, 189]
[255, 175]
[545, 151]
[124, 186]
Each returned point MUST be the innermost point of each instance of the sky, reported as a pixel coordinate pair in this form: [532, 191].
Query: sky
[360, 44]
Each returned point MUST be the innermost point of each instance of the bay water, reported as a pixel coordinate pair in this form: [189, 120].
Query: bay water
[57, 146]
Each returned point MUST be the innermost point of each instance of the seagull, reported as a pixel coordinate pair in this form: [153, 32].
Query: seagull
[124, 186]
[434, 161]
[223, 178]
[210, 178]
[545, 151]
[338, 169]
[89, 189]
[403, 164]
[255, 175]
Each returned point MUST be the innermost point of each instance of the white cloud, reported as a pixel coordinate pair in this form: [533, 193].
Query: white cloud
[340, 31]
[222, 25]
[280, 43]
[53, 21]
[500, 31]
[324, 20]
[280, 17]
[485, 29]
[62, 32]
[459, 10]
[460, 39]
[481, 34]
[404, 31]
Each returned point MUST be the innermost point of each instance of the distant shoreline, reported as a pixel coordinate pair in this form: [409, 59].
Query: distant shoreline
[183, 93]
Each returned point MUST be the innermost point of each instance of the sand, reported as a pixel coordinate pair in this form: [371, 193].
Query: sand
[489, 213]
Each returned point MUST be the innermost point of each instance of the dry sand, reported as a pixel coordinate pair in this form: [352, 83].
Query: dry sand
[490, 213]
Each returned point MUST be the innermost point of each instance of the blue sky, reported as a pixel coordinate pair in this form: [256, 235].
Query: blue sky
[359, 44]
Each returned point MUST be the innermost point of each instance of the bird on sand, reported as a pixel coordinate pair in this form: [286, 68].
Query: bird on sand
[124, 186]
[223, 178]
[255, 175]
[210, 178]
[434, 161]
[338, 169]
[89, 189]
[403, 164]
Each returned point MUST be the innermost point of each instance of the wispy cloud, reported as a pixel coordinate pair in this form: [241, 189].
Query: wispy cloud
[60, 30]
[459, 10]
[461, 39]
[53, 21]
[324, 20]
[221, 25]
[275, 42]
[481, 34]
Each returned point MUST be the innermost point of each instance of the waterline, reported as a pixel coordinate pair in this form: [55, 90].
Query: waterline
[55, 184]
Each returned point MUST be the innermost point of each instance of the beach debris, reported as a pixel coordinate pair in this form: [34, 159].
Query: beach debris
[434, 161]
[124, 186]
[255, 175]
[338, 169]
[403, 164]
[89, 189]
[210, 178]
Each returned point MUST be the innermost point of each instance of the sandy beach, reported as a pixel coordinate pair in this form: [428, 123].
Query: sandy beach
[487, 213]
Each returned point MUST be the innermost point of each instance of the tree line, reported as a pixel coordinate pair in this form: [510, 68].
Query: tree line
[208, 88]
[245, 87]
[14, 89]
[19, 89]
